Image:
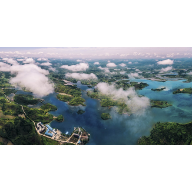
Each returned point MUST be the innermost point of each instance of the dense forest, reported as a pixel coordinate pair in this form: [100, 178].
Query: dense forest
[25, 99]
[168, 134]
[21, 131]
[38, 115]
[11, 108]
[48, 107]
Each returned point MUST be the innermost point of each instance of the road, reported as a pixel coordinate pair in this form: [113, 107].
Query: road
[36, 127]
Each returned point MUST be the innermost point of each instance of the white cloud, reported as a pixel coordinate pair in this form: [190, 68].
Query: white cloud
[46, 64]
[5, 59]
[165, 62]
[111, 65]
[11, 61]
[133, 75]
[30, 76]
[4, 67]
[81, 76]
[130, 62]
[135, 103]
[96, 63]
[52, 69]
[166, 69]
[78, 67]
[20, 59]
[190, 73]
[29, 60]
[42, 59]
[122, 64]
[104, 68]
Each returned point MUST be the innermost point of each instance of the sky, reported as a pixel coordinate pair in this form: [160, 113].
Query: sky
[96, 52]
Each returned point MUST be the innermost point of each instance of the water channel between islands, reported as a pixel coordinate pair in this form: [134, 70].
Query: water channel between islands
[123, 129]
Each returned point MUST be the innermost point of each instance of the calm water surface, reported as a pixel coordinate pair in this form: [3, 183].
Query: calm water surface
[124, 129]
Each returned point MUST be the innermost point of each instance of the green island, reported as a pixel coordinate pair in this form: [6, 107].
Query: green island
[60, 118]
[139, 85]
[159, 89]
[25, 99]
[107, 101]
[182, 73]
[160, 104]
[168, 134]
[184, 90]
[68, 89]
[64, 98]
[105, 116]
[122, 84]
[74, 101]
[69, 93]
[80, 111]
[125, 84]
[90, 83]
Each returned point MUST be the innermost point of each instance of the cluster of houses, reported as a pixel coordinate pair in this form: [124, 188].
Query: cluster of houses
[40, 127]
[49, 132]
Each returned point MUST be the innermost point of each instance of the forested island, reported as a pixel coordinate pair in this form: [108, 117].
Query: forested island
[80, 111]
[160, 104]
[69, 93]
[107, 101]
[159, 89]
[139, 85]
[105, 116]
[184, 90]
[168, 134]
[60, 118]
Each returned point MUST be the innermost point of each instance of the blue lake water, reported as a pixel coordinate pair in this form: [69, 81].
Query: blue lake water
[124, 129]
